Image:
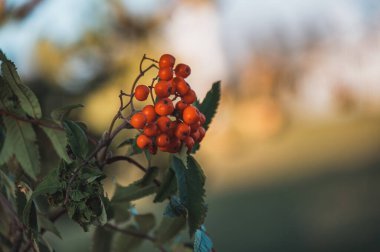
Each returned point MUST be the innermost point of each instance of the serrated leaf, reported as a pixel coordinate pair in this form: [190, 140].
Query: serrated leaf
[2, 135]
[133, 191]
[191, 190]
[7, 98]
[20, 203]
[58, 139]
[76, 138]
[121, 212]
[20, 141]
[175, 208]
[8, 185]
[28, 100]
[202, 243]
[45, 223]
[77, 195]
[149, 176]
[169, 228]
[210, 103]
[62, 113]
[102, 240]
[168, 187]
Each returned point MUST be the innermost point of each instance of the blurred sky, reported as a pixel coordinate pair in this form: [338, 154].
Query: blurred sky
[222, 39]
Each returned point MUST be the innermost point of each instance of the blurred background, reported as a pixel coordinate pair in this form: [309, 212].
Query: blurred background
[292, 157]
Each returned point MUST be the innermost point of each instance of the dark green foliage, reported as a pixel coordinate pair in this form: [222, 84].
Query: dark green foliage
[62, 113]
[210, 103]
[76, 138]
[27, 99]
[102, 240]
[134, 191]
[208, 107]
[168, 187]
[191, 182]
[21, 142]
[59, 141]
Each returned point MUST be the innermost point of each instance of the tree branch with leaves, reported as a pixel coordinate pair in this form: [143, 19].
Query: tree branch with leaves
[74, 187]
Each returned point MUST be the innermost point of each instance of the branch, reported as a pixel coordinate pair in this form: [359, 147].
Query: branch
[31, 120]
[135, 234]
[132, 161]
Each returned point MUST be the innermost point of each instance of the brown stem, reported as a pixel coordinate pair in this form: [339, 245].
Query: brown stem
[132, 161]
[135, 234]
[31, 120]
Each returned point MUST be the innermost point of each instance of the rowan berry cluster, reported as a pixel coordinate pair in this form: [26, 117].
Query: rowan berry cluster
[169, 123]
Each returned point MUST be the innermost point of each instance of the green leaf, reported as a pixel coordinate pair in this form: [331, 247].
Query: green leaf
[210, 103]
[2, 135]
[124, 243]
[8, 185]
[102, 240]
[45, 223]
[191, 190]
[168, 187]
[133, 191]
[20, 141]
[175, 208]
[208, 107]
[202, 243]
[121, 212]
[62, 113]
[28, 100]
[76, 138]
[7, 98]
[149, 176]
[169, 228]
[58, 139]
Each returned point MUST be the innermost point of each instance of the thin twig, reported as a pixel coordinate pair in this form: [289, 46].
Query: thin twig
[31, 120]
[132, 161]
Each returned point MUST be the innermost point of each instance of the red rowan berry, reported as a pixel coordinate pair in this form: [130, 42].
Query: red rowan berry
[162, 140]
[194, 127]
[196, 135]
[141, 92]
[149, 113]
[189, 141]
[165, 73]
[138, 120]
[151, 130]
[143, 141]
[189, 97]
[181, 86]
[153, 149]
[182, 131]
[202, 118]
[202, 133]
[172, 86]
[162, 89]
[180, 105]
[190, 114]
[166, 60]
[163, 123]
[164, 107]
[182, 70]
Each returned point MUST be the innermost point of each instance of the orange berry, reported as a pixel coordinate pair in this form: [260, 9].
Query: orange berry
[141, 92]
[143, 141]
[190, 114]
[173, 147]
[189, 141]
[162, 89]
[182, 131]
[182, 70]
[189, 97]
[166, 60]
[164, 107]
[162, 140]
[172, 86]
[151, 130]
[165, 73]
[138, 120]
[181, 86]
[180, 105]
[149, 113]
[163, 123]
